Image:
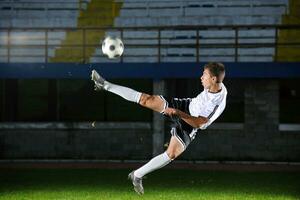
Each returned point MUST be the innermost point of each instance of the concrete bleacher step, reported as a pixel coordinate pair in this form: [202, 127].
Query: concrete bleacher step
[38, 14]
[27, 59]
[201, 3]
[178, 59]
[3, 38]
[178, 42]
[222, 42]
[257, 33]
[138, 33]
[139, 42]
[3, 59]
[242, 11]
[262, 51]
[225, 11]
[255, 58]
[42, 5]
[257, 41]
[216, 58]
[217, 51]
[178, 51]
[96, 59]
[34, 51]
[21, 38]
[149, 59]
[141, 51]
[39, 1]
[26, 51]
[3, 51]
[192, 20]
[178, 33]
[38, 23]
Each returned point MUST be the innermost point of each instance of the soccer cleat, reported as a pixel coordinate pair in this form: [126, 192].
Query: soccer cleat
[98, 80]
[137, 183]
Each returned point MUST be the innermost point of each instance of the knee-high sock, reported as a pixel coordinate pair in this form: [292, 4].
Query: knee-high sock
[154, 164]
[125, 92]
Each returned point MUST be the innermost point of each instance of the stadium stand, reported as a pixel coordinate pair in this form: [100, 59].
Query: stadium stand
[18, 17]
[214, 44]
[68, 38]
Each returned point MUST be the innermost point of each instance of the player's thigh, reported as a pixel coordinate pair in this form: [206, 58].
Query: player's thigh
[175, 148]
[153, 102]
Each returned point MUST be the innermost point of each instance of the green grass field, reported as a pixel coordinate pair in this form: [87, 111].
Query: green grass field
[103, 184]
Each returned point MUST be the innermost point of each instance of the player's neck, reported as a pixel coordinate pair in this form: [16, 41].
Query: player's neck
[215, 88]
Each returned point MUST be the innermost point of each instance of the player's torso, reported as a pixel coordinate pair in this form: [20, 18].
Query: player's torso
[205, 103]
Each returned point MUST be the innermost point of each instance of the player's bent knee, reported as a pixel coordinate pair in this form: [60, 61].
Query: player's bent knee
[148, 101]
[144, 99]
[173, 154]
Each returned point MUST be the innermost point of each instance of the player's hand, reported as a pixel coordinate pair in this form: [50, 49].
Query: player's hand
[170, 112]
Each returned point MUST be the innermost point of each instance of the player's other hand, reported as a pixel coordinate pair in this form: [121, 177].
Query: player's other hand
[170, 112]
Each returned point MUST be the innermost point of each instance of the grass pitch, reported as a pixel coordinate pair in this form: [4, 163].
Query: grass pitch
[103, 184]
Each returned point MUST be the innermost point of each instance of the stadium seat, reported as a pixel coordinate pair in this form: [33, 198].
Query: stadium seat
[52, 14]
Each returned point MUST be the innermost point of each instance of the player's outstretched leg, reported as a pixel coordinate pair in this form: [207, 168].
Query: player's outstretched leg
[153, 102]
[125, 92]
[137, 183]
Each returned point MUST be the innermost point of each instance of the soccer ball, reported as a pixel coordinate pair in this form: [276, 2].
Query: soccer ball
[113, 47]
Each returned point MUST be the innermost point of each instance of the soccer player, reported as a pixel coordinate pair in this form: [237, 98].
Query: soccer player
[188, 114]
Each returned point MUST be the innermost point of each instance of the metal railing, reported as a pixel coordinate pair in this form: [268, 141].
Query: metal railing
[184, 41]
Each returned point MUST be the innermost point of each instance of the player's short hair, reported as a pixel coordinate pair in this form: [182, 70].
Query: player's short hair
[217, 70]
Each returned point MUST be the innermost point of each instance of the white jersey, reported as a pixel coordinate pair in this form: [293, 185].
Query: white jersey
[209, 105]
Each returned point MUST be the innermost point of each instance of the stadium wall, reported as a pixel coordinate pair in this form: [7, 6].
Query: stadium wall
[259, 137]
[219, 142]
[70, 141]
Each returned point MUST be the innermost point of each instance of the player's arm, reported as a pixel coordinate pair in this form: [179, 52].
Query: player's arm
[195, 122]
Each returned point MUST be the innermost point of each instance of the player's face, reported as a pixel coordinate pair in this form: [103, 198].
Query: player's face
[207, 79]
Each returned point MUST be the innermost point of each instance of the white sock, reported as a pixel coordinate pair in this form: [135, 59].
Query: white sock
[154, 164]
[125, 92]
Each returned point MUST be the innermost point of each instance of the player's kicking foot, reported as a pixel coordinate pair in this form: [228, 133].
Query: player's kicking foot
[98, 80]
[137, 183]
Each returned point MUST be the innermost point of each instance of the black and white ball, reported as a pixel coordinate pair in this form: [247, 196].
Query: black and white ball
[113, 47]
